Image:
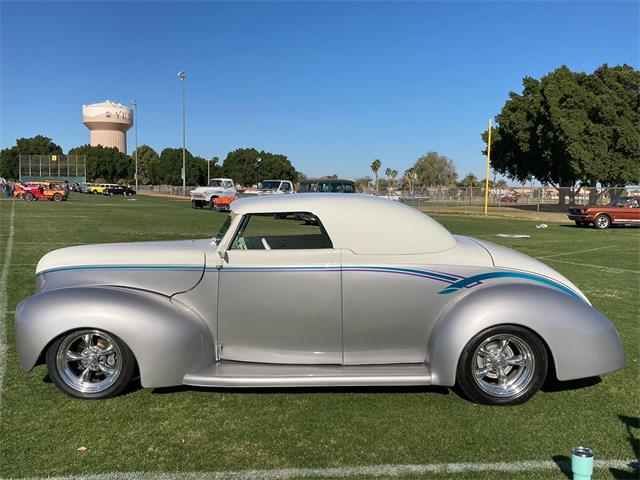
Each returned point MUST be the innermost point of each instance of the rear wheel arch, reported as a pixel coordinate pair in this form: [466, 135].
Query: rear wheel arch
[514, 304]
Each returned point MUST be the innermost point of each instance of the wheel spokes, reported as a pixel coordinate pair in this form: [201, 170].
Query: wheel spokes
[73, 356]
[87, 339]
[502, 377]
[86, 374]
[518, 361]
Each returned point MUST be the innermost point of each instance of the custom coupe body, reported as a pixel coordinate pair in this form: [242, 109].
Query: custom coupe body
[373, 292]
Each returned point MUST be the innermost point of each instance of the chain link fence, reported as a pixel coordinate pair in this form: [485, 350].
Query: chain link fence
[540, 199]
[527, 198]
[72, 168]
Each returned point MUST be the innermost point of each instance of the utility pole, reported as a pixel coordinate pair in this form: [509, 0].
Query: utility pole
[134, 103]
[182, 77]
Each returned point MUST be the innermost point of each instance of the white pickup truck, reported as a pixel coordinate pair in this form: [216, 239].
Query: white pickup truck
[274, 187]
[217, 188]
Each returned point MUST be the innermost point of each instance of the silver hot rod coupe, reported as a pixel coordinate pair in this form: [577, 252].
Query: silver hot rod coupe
[368, 292]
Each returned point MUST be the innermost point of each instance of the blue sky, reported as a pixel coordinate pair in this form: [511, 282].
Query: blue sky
[332, 85]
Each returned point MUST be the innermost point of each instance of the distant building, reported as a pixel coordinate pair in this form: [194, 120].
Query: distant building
[108, 122]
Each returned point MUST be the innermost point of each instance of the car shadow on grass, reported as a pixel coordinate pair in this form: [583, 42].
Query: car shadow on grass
[553, 385]
[304, 390]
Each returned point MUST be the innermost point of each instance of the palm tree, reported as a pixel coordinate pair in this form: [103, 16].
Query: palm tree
[375, 166]
[409, 177]
[387, 173]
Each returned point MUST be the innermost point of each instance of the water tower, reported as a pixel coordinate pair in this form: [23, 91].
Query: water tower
[108, 122]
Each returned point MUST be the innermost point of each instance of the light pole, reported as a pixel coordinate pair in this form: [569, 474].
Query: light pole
[258, 160]
[182, 77]
[134, 103]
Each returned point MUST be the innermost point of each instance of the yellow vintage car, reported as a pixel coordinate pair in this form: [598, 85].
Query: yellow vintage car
[100, 188]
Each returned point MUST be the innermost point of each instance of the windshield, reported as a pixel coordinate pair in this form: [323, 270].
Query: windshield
[223, 230]
[619, 202]
[215, 183]
[269, 185]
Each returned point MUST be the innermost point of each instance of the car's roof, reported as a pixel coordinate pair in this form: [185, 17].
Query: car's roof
[364, 224]
[326, 180]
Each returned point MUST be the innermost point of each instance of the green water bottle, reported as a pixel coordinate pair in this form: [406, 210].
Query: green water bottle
[581, 463]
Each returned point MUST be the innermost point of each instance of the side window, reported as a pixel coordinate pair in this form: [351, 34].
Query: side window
[285, 187]
[280, 231]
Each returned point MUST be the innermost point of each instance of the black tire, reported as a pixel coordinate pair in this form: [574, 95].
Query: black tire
[28, 197]
[194, 205]
[522, 382]
[126, 365]
[602, 222]
[57, 197]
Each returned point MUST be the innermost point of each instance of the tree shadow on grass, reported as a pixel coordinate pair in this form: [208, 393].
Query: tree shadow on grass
[304, 390]
[632, 424]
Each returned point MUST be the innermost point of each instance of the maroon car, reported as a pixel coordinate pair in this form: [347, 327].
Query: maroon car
[619, 211]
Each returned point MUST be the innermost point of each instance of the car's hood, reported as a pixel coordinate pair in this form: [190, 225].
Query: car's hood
[208, 189]
[504, 257]
[164, 267]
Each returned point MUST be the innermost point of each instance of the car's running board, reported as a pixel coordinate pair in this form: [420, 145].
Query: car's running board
[250, 375]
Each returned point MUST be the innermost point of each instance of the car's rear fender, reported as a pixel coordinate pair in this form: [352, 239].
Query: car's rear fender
[167, 339]
[582, 341]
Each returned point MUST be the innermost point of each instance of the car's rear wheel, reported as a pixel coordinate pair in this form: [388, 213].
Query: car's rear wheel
[90, 364]
[57, 197]
[602, 221]
[503, 365]
[28, 196]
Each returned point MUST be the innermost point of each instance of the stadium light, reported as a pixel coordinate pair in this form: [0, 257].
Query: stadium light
[182, 77]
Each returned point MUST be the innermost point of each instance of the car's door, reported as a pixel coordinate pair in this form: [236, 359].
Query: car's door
[279, 297]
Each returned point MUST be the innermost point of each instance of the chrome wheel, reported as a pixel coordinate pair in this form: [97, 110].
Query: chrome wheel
[503, 365]
[602, 221]
[89, 361]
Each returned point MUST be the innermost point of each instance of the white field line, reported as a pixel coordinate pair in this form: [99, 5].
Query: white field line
[4, 297]
[599, 267]
[394, 471]
[574, 252]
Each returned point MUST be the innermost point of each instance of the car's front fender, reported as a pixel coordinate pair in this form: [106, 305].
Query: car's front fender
[167, 340]
[582, 341]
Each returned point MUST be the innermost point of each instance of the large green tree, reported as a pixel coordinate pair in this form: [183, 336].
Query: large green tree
[38, 145]
[572, 129]
[106, 163]
[168, 167]
[243, 167]
[435, 170]
[147, 161]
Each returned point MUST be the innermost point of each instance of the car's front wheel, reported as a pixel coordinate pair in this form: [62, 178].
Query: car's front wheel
[602, 221]
[90, 364]
[503, 365]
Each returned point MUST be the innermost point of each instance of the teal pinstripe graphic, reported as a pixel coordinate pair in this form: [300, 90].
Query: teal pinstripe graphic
[195, 268]
[476, 279]
[456, 282]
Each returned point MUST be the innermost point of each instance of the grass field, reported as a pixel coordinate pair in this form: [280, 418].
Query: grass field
[186, 429]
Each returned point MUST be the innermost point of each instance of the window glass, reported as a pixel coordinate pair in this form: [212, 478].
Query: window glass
[281, 231]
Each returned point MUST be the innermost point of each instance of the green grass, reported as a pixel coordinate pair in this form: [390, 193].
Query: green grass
[185, 429]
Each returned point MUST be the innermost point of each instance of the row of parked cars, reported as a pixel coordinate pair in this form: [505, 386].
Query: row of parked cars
[220, 192]
[103, 188]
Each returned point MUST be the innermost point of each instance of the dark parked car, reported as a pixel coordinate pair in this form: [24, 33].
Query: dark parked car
[327, 185]
[119, 190]
[619, 211]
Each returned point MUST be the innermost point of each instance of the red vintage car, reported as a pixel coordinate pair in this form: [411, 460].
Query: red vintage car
[37, 190]
[619, 211]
